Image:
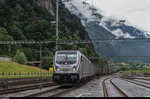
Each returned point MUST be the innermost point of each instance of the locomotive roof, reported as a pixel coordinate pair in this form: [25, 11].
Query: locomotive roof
[67, 51]
[74, 51]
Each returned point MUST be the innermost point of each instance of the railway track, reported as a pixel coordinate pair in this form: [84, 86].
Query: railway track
[57, 91]
[128, 77]
[26, 87]
[135, 82]
[66, 91]
[38, 94]
[104, 88]
[54, 92]
[6, 83]
[138, 81]
[118, 89]
[143, 79]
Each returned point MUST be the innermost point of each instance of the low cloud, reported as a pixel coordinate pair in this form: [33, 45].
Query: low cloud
[135, 12]
[119, 33]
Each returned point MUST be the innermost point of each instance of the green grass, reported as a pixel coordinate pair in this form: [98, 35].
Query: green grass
[12, 68]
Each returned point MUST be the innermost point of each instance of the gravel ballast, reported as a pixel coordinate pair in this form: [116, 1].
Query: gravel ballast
[131, 89]
[91, 89]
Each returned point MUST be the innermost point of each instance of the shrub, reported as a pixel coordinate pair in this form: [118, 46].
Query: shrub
[20, 57]
[30, 64]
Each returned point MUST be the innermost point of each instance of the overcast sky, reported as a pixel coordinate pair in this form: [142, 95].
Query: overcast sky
[135, 12]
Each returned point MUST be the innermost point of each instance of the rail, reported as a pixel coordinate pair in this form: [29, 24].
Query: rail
[119, 89]
[105, 88]
[26, 87]
[136, 83]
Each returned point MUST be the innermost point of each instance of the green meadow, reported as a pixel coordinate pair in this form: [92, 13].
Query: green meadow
[15, 70]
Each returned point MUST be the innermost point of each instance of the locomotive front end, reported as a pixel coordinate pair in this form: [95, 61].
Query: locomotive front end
[66, 68]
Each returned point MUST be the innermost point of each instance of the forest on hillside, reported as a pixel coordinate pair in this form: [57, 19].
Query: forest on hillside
[25, 20]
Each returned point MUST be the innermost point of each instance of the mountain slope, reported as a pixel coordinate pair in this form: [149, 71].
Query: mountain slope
[31, 20]
[101, 27]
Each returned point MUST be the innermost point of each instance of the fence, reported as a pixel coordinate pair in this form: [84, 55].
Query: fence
[5, 59]
[19, 74]
[146, 74]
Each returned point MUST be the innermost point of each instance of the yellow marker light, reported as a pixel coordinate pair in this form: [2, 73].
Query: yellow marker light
[51, 69]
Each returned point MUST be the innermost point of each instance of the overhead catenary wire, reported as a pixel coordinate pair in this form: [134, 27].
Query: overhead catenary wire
[122, 57]
[70, 42]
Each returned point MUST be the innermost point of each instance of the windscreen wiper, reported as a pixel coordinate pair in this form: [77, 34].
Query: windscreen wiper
[62, 60]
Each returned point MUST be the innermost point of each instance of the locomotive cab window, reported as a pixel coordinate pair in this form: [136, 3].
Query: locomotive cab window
[66, 58]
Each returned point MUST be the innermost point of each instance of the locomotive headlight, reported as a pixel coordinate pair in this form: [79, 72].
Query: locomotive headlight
[74, 68]
[57, 69]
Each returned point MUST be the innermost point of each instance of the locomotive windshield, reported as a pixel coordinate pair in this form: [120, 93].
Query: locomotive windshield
[66, 58]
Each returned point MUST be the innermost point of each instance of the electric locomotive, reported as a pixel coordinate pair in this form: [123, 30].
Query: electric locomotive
[71, 68]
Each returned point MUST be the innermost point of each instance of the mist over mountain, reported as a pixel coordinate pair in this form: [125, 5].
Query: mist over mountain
[101, 27]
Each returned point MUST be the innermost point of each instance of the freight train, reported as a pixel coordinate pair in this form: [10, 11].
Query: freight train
[72, 67]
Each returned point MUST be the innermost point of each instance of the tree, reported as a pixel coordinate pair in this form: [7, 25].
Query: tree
[125, 68]
[17, 33]
[25, 20]
[4, 35]
[20, 57]
[46, 63]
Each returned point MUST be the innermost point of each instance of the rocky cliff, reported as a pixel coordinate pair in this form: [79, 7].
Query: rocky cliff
[48, 4]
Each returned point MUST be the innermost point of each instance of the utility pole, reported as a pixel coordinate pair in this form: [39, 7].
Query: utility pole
[57, 9]
[93, 9]
[98, 50]
[92, 6]
[97, 47]
[8, 48]
[40, 60]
